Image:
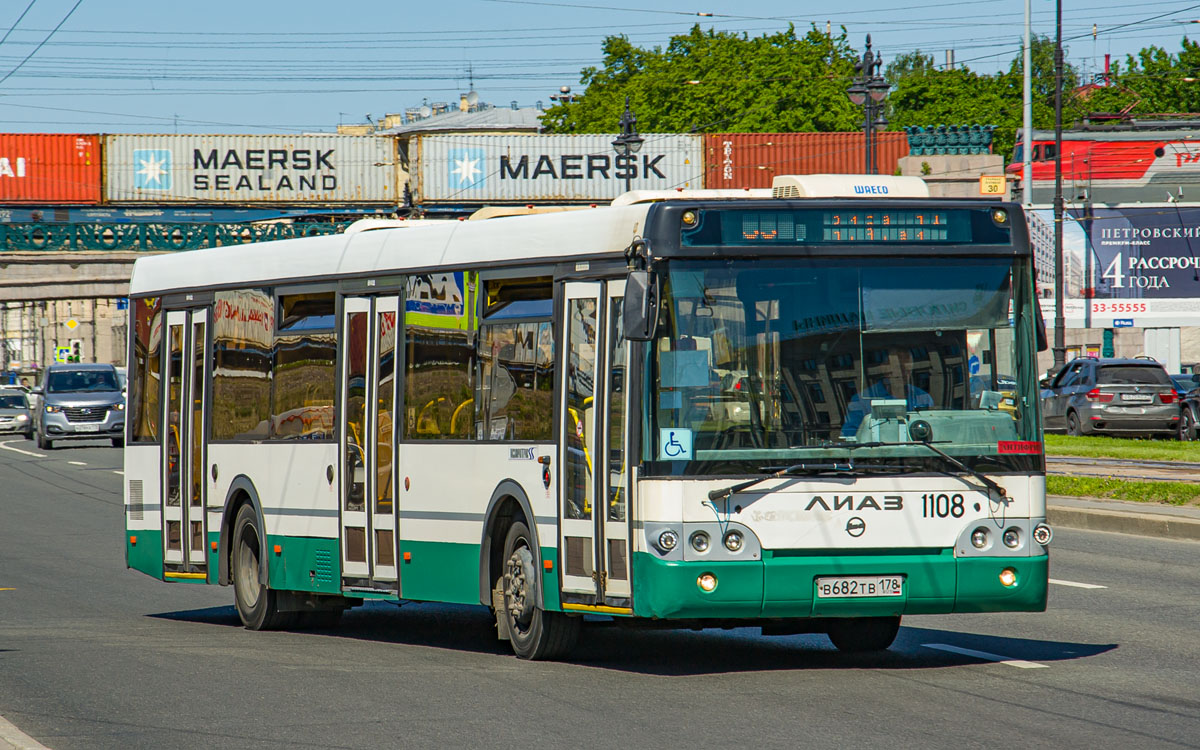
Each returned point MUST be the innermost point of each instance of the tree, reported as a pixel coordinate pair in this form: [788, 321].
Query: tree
[926, 96]
[715, 81]
[908, 64]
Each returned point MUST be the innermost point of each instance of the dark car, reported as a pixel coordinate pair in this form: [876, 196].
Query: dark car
[1114, 396]
[1185, 383]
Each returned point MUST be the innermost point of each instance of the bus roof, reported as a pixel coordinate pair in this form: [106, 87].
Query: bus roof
[435, 244]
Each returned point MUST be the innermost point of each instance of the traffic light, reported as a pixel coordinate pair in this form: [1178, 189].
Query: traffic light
[76, 351]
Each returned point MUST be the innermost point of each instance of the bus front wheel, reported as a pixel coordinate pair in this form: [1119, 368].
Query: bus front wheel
[534, 633]
[859, 634]
[257, 604]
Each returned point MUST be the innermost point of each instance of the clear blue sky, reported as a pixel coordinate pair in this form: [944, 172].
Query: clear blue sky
[254, 66]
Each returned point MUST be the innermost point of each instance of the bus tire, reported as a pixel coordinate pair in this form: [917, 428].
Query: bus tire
[859, 634]
[534, 633]
[257, 604]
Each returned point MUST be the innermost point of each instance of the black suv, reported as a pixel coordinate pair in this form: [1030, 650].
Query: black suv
[1130, 396]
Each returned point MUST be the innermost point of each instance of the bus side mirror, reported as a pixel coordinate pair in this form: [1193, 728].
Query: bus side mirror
[640, 311]
[1040, 333]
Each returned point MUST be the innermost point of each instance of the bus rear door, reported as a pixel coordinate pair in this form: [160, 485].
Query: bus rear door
[368, 388]
[183, 461]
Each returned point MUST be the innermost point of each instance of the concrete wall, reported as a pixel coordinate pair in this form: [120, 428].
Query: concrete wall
[954, 176]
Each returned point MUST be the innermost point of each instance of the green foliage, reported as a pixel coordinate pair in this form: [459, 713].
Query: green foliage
[910, 63]
[1117, 488]
[710, 81]
[1101, 446]
[716, 81]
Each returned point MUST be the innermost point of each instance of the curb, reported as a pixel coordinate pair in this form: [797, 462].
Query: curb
[1124, 522]
[12, 738]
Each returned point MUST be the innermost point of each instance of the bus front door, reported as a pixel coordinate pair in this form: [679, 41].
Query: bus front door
[368, 388]
[184, 414]
[593, 486]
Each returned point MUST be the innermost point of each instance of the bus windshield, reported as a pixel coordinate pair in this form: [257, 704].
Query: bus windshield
[764, 362]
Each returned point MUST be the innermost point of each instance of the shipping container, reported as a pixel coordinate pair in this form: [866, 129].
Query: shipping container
[474, 169]
[52, 169]
[753, 160]
[250, 169]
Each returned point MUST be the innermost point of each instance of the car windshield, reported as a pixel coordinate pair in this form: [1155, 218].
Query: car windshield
[1132, 375]
[75, 381]
[768, 362]
[13, 401]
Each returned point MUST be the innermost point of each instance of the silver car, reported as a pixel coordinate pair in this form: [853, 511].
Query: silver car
[15, 415]
[1113, 396]
[80, 402]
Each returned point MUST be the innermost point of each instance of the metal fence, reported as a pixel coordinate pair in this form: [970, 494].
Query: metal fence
[151, 237]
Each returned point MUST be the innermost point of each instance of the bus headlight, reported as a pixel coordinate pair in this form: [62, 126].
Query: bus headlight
[1008, 577]
[699, 541]
[979, 537]
[707, 582]
[667, 540]
[1042, 534]
[1012, 538]
[734, 541]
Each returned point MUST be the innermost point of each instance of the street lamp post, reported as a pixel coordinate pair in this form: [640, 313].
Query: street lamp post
[1060, 327]
[627, 143]
[868, 91]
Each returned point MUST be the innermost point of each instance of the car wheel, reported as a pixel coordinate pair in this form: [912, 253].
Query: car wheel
[43, 443]
[1187, 425]
[858, 634]
[118, 442]
[29, 435]
[1073, 426]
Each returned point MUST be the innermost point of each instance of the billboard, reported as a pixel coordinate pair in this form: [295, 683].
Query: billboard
[1127, 265]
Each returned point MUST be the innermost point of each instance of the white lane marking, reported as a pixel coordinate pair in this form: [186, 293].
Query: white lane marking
[1077, 585]
[8, 447]
[119, 472]
[77, 463]
[1018, 663]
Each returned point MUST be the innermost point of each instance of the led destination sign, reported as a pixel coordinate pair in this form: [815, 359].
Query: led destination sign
[837, 227]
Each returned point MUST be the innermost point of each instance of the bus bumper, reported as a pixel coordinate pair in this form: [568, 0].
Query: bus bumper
[783, 585]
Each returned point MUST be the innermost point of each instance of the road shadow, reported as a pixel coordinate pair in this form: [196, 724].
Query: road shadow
[605, 644]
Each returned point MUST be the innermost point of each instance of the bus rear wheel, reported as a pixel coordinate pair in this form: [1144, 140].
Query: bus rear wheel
[859, 634]
[534, 633]
[257, 604]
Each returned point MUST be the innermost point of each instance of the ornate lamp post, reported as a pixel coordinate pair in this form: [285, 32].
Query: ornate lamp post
[868, 91]
[628, 142]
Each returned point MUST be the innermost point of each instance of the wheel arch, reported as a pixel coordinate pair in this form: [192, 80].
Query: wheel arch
[241, 492]
[498, 517]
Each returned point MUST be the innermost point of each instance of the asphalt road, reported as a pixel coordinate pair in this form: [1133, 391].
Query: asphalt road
[96, 656]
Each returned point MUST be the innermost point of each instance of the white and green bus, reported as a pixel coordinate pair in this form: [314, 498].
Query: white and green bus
[813, 410]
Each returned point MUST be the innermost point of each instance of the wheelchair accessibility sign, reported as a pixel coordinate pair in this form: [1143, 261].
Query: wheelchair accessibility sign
[674, 444]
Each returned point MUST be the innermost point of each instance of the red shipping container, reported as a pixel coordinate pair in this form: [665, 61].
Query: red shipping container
[49, 168]
[753, 160]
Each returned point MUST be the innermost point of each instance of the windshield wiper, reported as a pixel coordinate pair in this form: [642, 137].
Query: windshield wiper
[727, 492]
[988, 483]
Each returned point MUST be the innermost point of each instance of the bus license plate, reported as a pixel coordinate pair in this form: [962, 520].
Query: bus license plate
[851, 587]
[87, 428]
